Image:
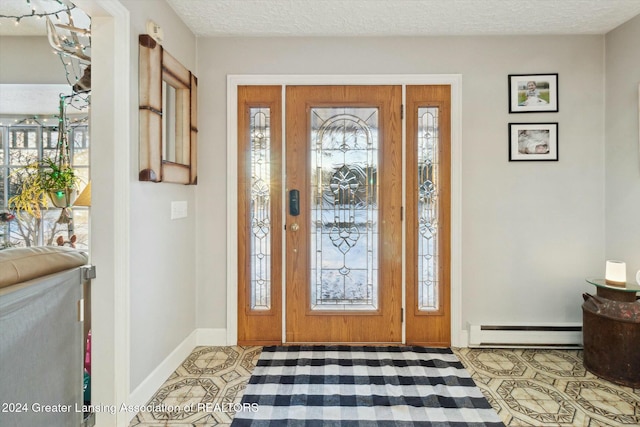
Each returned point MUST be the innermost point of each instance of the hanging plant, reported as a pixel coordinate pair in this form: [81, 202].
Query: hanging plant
[55, 177]
[41, 180]
[58, 177]
[52, 178]
[60, 182]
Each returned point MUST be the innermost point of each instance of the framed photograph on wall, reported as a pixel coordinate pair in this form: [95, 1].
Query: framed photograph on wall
[533, 93]
[533, 141]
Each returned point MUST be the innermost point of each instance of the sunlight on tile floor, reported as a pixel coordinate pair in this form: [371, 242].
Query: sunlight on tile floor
[526, 387]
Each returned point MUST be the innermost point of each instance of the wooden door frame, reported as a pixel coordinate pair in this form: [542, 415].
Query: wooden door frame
[459, 336]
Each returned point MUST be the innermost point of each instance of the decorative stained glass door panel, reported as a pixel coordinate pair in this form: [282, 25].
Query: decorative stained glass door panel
[428, 215]
[344, 208]
[259, 215]
[343, 244]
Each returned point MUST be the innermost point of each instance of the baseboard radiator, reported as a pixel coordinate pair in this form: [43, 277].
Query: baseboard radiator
[566, 335]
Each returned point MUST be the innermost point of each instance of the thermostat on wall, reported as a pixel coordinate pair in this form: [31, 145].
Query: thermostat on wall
[155, 31]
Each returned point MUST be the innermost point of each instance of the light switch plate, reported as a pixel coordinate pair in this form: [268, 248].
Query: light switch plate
[179, 209]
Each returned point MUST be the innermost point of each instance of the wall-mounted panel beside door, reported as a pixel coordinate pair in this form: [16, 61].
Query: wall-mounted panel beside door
[259, 215]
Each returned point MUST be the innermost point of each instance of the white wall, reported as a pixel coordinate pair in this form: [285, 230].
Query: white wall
[29, 60]
[622, 149]
[531, 230]
[162, 292]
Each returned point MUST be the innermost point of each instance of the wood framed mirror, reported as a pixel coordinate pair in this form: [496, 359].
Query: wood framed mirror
[168, 116]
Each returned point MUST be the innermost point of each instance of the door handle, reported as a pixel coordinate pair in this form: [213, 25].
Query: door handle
[294, 202]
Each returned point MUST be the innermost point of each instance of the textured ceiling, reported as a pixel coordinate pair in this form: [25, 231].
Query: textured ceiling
[373, 17]
[402, 17]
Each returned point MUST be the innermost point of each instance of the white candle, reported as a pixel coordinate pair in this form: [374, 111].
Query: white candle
[616, 272]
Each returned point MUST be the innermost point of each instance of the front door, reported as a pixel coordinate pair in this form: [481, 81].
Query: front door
[320, 214]
[343, 214]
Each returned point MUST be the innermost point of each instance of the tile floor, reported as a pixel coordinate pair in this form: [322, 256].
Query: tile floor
[526, 388]
[214, 377]
[549, 388]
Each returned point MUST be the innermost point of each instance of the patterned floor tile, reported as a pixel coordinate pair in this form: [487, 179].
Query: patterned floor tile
[607, 401]
[203, 390]
[526, 388]
[496, 362]
[549, 388]
[211, 360]
[554, 362]
[537, 401]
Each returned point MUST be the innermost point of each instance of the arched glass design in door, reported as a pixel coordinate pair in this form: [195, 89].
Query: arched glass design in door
[344, 208]
[343, 246]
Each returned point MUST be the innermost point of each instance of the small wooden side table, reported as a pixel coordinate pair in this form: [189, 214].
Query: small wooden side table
[611, 332]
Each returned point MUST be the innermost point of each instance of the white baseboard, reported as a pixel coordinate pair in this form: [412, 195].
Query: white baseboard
[463, 339]
[211, 336]
[157, 377]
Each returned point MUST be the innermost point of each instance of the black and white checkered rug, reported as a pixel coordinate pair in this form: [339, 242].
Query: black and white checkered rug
[362, 386]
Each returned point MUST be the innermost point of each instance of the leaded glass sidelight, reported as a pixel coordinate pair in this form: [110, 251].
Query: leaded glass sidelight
[344, 209]
[260, 211]
[428, 162]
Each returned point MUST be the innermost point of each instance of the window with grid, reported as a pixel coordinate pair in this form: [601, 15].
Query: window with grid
[27, 140]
